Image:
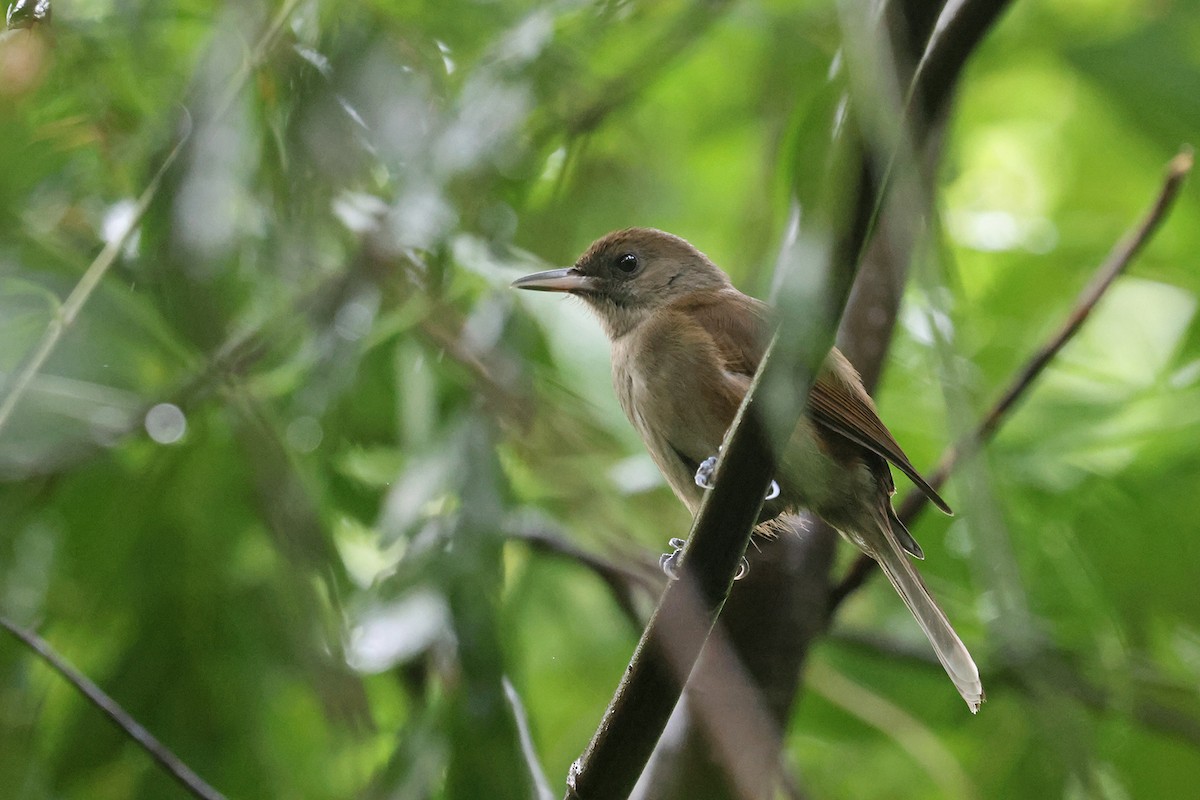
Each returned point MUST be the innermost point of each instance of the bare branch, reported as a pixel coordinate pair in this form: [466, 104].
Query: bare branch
[161, 754]
[672, 641]
[1118, 260]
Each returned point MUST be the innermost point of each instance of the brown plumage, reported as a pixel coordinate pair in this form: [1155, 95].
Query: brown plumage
[685, 346]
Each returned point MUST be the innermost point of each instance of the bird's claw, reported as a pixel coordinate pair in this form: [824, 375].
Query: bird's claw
[704, 477]
[704, 473]
[669, 562]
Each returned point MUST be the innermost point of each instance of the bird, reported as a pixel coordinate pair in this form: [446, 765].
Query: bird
[685, 347]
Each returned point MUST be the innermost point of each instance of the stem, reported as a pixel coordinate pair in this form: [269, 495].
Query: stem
[181, 772]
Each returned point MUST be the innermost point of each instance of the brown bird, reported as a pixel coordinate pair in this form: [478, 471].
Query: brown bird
[685, 346]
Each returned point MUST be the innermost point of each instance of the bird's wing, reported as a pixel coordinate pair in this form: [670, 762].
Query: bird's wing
[741, 327]
[839, 402]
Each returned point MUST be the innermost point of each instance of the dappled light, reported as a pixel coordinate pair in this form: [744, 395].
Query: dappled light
[300, 498]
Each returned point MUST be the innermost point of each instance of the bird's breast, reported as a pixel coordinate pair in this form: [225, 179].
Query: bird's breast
[669, 389]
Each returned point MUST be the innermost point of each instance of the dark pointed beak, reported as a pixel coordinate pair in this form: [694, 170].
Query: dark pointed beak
[567, 279]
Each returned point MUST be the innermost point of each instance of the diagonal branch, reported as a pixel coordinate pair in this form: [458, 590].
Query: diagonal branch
[163, 755]
[672, 641]
[1118, 260]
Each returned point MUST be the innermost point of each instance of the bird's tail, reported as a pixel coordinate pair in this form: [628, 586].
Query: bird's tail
[949, 648]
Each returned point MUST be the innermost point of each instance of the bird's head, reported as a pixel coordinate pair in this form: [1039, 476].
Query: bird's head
[628, 275]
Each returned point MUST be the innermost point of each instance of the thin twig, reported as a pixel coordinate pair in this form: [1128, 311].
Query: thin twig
[1118, 260]
[166, 759]
[624, 582]
[66, 314]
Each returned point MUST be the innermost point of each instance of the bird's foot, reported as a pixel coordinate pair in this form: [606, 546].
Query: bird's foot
[704, 477]
[669, 562]
[704, 473]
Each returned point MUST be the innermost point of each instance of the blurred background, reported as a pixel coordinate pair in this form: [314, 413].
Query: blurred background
[334, 513]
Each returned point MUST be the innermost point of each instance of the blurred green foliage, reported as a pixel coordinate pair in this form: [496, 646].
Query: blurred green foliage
[313, 583]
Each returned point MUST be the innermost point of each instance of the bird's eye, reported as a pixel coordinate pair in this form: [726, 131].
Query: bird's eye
[628, 262]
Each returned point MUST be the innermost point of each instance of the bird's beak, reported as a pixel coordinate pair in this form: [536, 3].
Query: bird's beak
[567, 279]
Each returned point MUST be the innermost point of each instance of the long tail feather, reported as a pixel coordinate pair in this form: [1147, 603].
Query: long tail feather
[950, 650]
